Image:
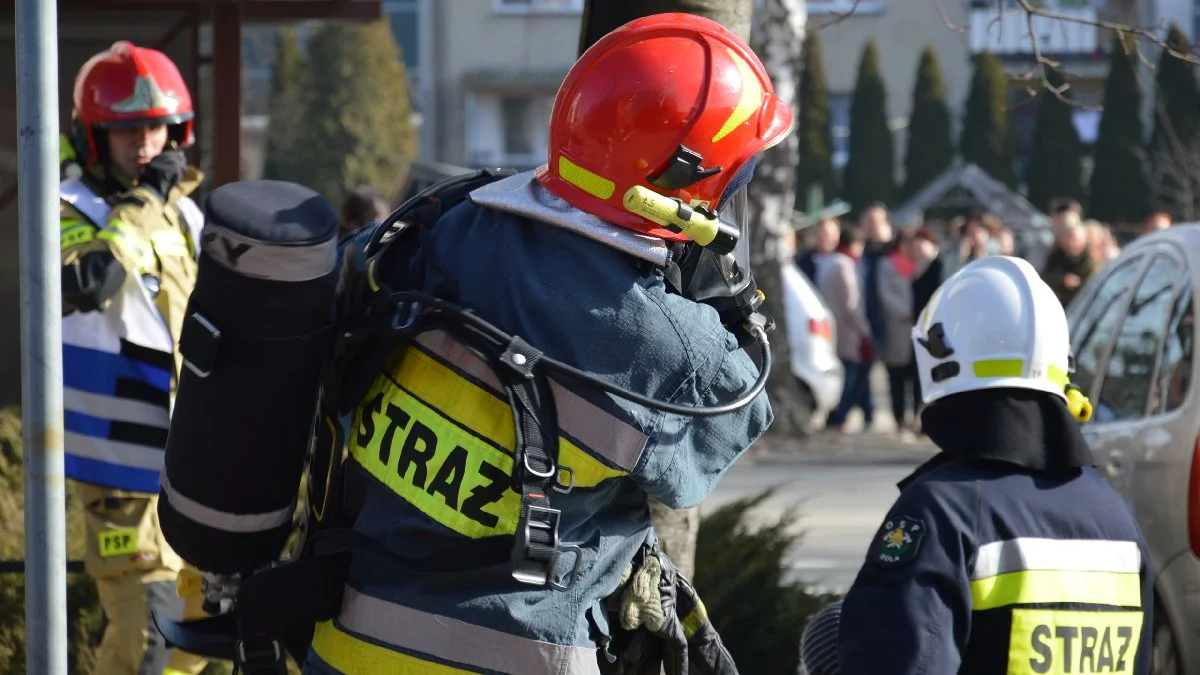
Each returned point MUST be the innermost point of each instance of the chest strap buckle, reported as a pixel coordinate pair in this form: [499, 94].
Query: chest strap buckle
[538, 549]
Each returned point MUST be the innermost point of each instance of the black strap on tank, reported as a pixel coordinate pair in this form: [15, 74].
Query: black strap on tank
[537, 547]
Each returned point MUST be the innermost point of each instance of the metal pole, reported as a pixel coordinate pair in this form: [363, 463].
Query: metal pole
[41, 338]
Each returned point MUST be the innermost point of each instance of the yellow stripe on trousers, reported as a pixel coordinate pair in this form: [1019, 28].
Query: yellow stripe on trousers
[353, 656]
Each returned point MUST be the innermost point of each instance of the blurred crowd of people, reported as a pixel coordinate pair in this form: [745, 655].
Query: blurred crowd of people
[877, 279]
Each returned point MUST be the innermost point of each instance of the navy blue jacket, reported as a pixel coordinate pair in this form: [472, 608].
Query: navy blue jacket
[983, 566]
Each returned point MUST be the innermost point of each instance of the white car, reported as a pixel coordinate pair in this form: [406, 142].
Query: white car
[811, 341]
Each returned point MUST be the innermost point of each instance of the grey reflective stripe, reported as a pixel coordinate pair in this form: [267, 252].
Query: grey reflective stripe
[193, 218]
[115, 409]
[76, 193]
[264, 260]
[523, 196]
[221, 520]
[1066, 555]
[460, 642]
[597, 430]
[114, 452]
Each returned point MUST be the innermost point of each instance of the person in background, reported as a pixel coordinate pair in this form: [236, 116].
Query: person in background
[1063, 211]
[896, 273]
[1155, 220]
[823, 238]
[1070, 264]
[1005, 242]
[362, 207]
[1102, 242]
[877, 234]
[929, 274]
[840, 283]
[974, 238]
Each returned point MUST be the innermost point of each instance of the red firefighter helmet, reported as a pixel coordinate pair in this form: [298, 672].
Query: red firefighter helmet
[675, 103]
[130, 86]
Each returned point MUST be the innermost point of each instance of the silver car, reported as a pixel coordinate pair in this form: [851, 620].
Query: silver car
[811, 342]
[1133, 333]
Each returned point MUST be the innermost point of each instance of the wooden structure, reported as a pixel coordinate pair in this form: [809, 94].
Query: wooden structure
[86, 27]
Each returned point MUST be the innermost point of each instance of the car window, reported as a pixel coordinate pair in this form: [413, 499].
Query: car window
[1126, 387]
[1175, 365]
[1091, 332]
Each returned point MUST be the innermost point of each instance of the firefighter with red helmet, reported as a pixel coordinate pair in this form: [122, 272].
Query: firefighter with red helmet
[129, 241]
[612, 258]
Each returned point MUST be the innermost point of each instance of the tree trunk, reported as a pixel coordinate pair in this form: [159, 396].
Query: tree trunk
[779, 38]
[677, 529]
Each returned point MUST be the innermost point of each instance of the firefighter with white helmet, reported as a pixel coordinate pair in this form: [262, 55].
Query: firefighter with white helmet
[129, 234]
[1007, 552]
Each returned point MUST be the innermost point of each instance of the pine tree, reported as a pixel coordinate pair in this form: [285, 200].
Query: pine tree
[815, 130]
[1054, 163]
[1118, 190]
[868, 176]
[930, 149]
[287, 106]
[359, 117]
[1175, 120]
[985, 139]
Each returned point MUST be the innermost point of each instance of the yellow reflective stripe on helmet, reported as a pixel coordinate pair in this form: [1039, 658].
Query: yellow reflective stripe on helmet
[133, 246]
[1057, 375]
[348, 654]
[999, 368]
[73, 232]
[748, 103]
[592, 183]
[1015, 368]
[1057, 642]
[1122, 589]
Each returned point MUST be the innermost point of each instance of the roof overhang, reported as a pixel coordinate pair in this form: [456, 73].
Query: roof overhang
[252, 10]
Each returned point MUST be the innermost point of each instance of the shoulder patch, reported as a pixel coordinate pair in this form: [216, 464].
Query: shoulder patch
[898, 541]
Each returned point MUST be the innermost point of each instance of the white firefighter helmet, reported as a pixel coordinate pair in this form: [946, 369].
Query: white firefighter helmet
[993, 324]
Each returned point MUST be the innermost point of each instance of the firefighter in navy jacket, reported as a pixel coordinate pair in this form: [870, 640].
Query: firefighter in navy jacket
[1006, 552]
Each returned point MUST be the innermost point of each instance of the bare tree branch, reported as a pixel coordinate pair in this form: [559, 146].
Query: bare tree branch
[946, 18]
[839, 17]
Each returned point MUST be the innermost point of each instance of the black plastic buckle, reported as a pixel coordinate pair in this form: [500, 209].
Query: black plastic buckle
[259, 652]
[200, 343]
[534, 563]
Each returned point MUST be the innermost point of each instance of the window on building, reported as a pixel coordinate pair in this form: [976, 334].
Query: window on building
[404, 19]
[818, 7]
[1130, 369]
[839, 116]
[538, 6]
[508, 129]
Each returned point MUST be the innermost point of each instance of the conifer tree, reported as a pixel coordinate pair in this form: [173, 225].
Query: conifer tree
[985, 140]
[1054, 163]
[1118, 191]
[869, 173]
[929, 150]
[815, 130]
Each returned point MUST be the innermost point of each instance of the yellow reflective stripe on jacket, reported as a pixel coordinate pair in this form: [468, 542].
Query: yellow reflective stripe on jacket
[451, 645]
[136, 249]
[618, 443]
[1058, 642]
[1122, 589]
[347, 654]
[170, 243]
[73, 232]
[1031, 570]
[445, 444]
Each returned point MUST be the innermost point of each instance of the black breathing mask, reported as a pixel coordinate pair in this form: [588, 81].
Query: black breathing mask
[725, 281]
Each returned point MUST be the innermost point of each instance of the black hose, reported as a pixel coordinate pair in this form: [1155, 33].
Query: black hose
[488, 330]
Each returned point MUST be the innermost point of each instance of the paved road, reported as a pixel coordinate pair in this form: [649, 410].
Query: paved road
[841, 499]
